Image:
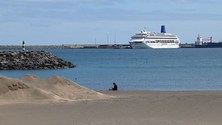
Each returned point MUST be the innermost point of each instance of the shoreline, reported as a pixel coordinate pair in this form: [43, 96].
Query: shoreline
[140, 107]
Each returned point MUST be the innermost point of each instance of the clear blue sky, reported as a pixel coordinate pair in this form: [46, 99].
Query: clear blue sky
[57, 22]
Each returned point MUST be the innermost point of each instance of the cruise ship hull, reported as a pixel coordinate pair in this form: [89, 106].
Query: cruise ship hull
[142, 45]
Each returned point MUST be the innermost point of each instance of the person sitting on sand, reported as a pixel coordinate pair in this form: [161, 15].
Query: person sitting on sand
[114, 88]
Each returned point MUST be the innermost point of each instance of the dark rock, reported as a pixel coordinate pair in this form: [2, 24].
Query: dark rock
[22, 60]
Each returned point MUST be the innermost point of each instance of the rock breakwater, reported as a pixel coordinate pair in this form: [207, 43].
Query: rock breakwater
[27, 60]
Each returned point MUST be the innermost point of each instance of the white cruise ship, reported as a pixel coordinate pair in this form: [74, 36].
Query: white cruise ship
[149, 40]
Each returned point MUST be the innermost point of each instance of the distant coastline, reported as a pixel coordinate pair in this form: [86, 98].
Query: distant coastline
[67, 46]
[78, 46]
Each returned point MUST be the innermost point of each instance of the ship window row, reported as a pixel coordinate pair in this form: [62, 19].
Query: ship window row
[137, 37]
[161, 41]
[150, 41]
[165, 41]
[163, 38]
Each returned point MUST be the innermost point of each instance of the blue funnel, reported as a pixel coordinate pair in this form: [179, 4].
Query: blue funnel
[163, 29]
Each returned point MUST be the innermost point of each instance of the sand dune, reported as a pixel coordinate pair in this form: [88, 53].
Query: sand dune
[32, 88]
[34, 101]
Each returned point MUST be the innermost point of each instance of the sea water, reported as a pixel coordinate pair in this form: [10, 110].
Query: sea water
[138, 69]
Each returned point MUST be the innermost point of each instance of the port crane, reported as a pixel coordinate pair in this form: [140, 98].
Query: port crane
[208, 39]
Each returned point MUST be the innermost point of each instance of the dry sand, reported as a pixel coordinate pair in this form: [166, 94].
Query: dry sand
[59, 101]
[32, 89]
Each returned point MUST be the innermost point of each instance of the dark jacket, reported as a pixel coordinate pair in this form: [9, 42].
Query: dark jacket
[115, 88]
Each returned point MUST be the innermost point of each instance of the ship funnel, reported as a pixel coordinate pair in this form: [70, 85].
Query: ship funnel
[163, 29]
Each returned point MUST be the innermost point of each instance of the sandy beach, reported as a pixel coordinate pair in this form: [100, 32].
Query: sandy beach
[58, 101]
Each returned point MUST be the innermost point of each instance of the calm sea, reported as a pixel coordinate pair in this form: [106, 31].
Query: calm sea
[138, 69]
